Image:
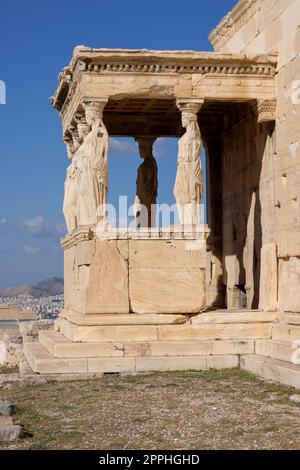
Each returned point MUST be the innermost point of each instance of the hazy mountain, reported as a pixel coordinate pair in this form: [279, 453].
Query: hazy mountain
[45, 288]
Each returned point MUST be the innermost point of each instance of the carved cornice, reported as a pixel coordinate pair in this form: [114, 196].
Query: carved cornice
[242, 12]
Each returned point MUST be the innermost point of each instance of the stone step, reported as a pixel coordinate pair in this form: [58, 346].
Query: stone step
[283, 332]
[148, 333]
[43, 362]
[275, 349]
[149, 364]
[272, 369]
[60, 346]
[229, 316]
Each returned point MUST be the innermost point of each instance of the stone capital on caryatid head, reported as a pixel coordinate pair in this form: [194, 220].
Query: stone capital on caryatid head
[189, 107]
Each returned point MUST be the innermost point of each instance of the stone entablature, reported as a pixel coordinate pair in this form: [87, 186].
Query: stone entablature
[241, 13]
[161, 75]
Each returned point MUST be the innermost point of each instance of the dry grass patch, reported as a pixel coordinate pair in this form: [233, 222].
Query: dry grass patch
[176, 410]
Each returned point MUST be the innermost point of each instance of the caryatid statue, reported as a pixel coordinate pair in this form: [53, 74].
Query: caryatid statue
[70, 208]
[146, 184]
[93, 166]
[188, 189]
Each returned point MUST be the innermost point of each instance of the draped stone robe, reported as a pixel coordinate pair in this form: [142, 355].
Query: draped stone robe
[188, 187]
[93, 177]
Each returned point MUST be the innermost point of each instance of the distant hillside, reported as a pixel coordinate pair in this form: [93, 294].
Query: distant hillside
[45, 288]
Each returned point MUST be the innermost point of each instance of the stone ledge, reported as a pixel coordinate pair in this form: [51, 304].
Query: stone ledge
[227, 317]
[272, 369]
[122, 319]
[146, 333]
[275, 349]
[43, 362]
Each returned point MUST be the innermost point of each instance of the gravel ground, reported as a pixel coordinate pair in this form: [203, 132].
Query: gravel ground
[174, 410]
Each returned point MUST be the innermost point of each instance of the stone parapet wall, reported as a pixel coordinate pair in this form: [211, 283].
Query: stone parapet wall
[137, 275]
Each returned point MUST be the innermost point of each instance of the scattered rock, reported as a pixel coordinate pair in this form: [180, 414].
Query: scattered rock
[11, 432]
[30, 330]
[24, 367]
[5, 421]
[6, 408]
[10, 345]
[295, 398]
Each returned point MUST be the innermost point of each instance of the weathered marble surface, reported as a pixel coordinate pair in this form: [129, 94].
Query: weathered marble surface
[140, 276]
[264, 27]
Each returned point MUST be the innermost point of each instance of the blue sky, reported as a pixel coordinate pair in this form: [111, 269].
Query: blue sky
[37, 39]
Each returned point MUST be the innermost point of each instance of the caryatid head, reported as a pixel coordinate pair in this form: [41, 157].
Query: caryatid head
[187, 117]
[82, 127]
[70, 146]
[189, 109]
[75, 137]
[94, 112]
[145, 146]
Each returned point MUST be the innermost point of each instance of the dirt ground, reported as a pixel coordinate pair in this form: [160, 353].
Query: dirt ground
[174, 410]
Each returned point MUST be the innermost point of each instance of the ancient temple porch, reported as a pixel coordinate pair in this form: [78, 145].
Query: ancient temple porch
[154, 298]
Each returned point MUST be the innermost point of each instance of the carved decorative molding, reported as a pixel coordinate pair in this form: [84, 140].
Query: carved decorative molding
[167, 69]
[243, 11]
[192, 233]
[266, 110]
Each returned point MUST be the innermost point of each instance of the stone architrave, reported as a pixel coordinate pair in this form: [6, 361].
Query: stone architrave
[188, 189]
[146, 184]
